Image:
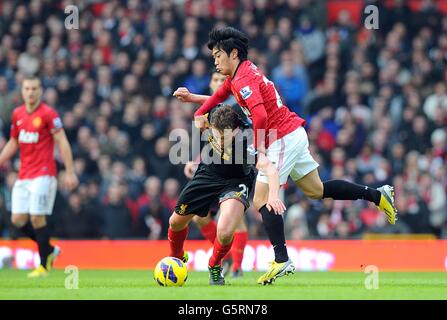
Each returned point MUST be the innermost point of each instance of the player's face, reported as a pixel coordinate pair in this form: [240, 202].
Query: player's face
[217, 80]
[222, 61]
[31, 91]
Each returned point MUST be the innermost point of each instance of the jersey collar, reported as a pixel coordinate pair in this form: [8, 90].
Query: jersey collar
[237, 69]
[38, 106]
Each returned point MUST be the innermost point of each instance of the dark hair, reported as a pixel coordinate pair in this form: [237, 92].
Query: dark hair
[32, 78]
[224, 117]
[227, 39]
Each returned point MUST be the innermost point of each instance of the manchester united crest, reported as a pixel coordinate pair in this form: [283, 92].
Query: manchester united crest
[37, 122]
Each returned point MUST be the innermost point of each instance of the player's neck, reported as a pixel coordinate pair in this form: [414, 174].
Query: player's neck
[31, 107]
[236, 65]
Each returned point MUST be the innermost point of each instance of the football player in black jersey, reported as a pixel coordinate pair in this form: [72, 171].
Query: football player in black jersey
[225, 174]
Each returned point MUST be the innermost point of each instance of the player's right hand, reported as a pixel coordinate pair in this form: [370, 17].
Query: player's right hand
[190, 169]
[182, 94]
[71, 181]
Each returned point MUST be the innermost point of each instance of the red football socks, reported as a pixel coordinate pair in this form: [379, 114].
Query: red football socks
[237, 251]
[209, 231]
[219, 251]
[176, 241]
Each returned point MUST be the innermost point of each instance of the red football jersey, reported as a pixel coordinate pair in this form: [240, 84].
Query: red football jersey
[251, 89]
[34, 132]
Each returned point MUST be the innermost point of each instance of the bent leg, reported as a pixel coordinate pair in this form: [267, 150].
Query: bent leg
[207, 227]
[313, 188]
[231, 213]
[239, 242]
[177, 233]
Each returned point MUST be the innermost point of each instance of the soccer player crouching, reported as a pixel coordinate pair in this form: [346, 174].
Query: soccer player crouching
[225, 178]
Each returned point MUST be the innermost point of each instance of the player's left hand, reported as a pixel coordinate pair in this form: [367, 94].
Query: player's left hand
[190, 169]
[276, 205]
[71, 181]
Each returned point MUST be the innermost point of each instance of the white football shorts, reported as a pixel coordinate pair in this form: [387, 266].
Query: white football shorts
[34, 196]
[291, 156]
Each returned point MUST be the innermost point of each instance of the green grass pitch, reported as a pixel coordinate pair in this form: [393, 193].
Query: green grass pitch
[131, 284]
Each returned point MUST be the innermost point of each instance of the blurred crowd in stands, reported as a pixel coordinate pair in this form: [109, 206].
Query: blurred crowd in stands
[375, 102]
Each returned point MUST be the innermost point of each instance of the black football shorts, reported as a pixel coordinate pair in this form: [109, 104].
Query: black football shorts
[207, 188]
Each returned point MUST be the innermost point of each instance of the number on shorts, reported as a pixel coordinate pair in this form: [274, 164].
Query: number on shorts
[244, 190]
[42, 200]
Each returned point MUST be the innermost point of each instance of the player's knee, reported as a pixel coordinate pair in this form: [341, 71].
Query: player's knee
[242, 226]
[225, 238]
[259, 202]
[19, 221]
[38, 221]
[175, 223]
[224, 235]
[315, 193]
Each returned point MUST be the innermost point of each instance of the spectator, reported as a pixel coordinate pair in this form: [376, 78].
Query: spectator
[77, 222]
[312, 39]
[170, 194]
[291, 82]
[154, 220]
[199, 81]
[436, 100]
[159, 163]
[116, 217]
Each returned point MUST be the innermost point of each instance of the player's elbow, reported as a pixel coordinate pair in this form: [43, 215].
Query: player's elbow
[260, 122]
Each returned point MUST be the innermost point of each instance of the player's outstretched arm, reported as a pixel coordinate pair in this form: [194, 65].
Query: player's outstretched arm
[273, 203]
[219, 96]
[184, 95]
[9, 150]
[71, 180]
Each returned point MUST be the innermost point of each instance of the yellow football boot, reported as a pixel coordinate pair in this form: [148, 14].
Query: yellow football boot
[275, 270]
[38, 273]
[386, 204]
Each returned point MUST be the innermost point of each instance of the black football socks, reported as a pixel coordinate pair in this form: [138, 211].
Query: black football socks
[344, 190]
[28, 231]
[43, 242]
[274, 226]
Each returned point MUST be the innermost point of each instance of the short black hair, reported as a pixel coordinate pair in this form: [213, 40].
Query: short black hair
[227, 39]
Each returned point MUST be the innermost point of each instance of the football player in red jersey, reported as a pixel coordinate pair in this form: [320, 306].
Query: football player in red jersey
[35, 127]
[279, 136]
